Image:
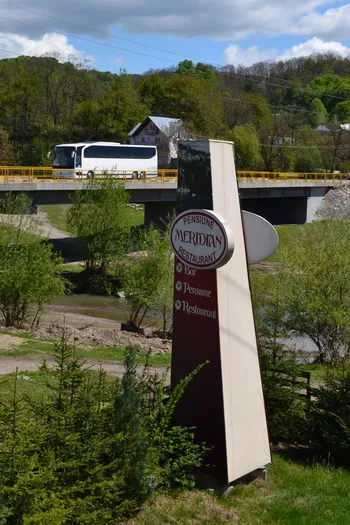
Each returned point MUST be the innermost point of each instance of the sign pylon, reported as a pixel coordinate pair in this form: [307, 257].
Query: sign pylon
[213, 315]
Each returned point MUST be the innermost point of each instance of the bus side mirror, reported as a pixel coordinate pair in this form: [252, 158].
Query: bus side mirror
[72, 154]
[49, 154]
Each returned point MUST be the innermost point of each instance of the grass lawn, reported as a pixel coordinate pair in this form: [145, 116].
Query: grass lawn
[294, 494]
[31, 346]
[71, 268]
[286, 236]
[33, 384]
[318, 371]
[137, 216]
[57, 215]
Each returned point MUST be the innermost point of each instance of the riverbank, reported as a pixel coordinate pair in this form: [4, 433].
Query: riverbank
[86, 330]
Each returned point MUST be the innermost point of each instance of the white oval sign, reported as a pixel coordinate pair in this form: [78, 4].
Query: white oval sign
[201, 239]
[261, 238]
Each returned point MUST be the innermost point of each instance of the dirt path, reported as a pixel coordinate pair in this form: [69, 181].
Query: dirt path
[84, 331]
[9, 364]
[39, 222]
[46, 228]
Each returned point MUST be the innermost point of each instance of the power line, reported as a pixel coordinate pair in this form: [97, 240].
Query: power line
[285, 108]
[88, 40]
[90, 29]
[113, 35]
[245, 77]
[11, 52]
[114, 47]
[284, 145]
[294, 84]
[308, 90]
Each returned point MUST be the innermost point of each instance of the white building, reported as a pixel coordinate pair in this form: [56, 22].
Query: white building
[162, 132]
[324, 129]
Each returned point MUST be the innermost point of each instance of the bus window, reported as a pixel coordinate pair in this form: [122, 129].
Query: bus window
[78, 157]
[63, 157]
[142, 153]
[119, 152]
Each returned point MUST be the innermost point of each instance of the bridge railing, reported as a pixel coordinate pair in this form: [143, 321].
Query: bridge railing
[35, 174]
[24, 173]
[268, 176]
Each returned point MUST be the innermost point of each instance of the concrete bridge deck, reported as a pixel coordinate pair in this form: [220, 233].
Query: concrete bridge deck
[279, 200]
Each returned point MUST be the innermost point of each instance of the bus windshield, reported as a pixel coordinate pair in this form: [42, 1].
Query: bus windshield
[63, 157]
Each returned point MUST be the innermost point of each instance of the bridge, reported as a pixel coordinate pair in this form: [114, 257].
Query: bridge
[279, 197]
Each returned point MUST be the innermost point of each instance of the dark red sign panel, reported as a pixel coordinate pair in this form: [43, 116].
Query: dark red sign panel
[196, 340]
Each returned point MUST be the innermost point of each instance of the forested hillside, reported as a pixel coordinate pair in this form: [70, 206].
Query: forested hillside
[270, 110]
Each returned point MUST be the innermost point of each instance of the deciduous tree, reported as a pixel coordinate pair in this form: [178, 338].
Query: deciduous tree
[147, 279]
[100, 215]
[247, 146]
[314, 281]
[319, 115]
[6, 149]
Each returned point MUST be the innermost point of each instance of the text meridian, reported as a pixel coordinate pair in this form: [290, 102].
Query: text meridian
[198, 239]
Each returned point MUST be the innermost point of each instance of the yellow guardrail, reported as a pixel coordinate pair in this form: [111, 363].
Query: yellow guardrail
[268, 176]
[35, 174]
[24, 173]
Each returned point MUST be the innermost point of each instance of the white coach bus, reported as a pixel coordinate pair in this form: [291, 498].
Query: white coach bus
[89, 159]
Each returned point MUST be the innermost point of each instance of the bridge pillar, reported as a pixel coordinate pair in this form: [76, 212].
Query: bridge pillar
[314, 201]
[157, 213]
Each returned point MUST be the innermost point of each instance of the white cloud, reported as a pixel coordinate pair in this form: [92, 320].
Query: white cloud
[246, 57]
[50, 44]
[315, 45]
[237, 55]
[25, 31]
[333, 23]
[223, 19]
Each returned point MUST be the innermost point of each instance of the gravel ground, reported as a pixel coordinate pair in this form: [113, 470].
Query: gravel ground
[95, 331]
[9, 341]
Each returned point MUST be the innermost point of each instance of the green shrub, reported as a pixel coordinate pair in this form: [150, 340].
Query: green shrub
[100, 215]
[148, 280]
[29, 270]
[93, 448]
[330, 416]
[29, 280]
[285, 408]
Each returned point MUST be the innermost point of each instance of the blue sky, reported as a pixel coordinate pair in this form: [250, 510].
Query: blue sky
[220, 32]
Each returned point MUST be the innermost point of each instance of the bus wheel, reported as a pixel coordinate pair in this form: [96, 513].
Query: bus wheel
[135, 175]
[90, 174]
